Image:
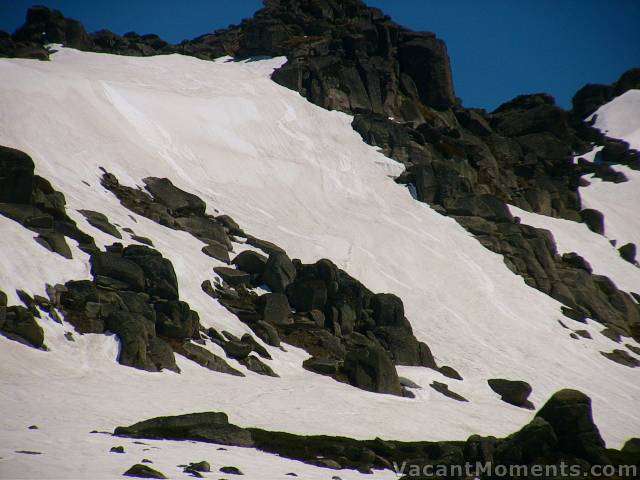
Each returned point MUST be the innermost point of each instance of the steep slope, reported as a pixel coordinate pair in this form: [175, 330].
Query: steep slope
[254, 150]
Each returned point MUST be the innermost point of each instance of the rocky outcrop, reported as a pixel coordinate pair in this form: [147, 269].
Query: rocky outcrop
[212, 427]
[33, 202]
[562, 432]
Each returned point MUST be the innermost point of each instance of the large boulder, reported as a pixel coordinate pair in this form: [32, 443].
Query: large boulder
[18, 323]
[569, 414]
[113, 266]
[371, 369]
[177, 200]
[515, 392]
[250, 262]
[175, 319]
[135, 333]
[16, 176]
[388, 309]
[213, 427]
[275, 309]
[160, 277]
[279, 272]
[308, 294]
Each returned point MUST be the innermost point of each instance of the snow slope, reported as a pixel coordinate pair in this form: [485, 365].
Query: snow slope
[620, 118]
[293, 173]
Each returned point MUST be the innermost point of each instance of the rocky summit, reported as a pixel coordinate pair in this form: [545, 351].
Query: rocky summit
[286, 248]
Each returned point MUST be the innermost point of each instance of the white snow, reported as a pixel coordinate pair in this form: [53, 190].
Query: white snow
[292, 173]
[618, 202]
[596, 249]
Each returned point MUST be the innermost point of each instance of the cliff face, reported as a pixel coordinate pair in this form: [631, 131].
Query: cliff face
[466, 163]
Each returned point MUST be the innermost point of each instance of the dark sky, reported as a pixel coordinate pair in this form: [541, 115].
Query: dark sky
[498, 48]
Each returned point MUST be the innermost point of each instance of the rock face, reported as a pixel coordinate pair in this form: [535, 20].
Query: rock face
[32, 201]
[210, 427]
[569, 414]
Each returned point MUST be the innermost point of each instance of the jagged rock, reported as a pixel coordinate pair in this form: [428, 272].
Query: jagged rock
[443, 388]
[577, 261]
[175, 319]
[216, 250]
[593, 219]
[135, 333]
[213, 427]
[118, 449]
[233, 276]
[276, 309]
[113, 266]
[237, 350]
[101, 222]
[178, 201]
[18, 323]
[204, 357]
[622, 357]
[254, 364]
[388, 309]
[515, 392]
[628, 252]
[534, 441]
[267, 333]
[569, 414]
[306, 295]
[371, 369]
[250, 262]
[256, 346]
[450, 372]
[160, 277]
[323, 366]
[279, 272]
[16, 176]
[143, 471]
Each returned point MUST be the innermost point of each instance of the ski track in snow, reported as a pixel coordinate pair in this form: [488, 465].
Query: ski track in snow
[298, 175]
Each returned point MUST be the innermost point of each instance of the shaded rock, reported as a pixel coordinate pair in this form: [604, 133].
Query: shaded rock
[233, 276]
[250, 262]
[443, 388]
[143, 471]
[276, 309]
[628, 252]
[237, 350]
[213, 427]
[279, 272]
[177, 200]
[534, 441]
[622, 357]
[577, 261]
[216, 250]
[371, 369]
[118, 449]
[323, 366]
[569, 414]
[267, 333]
[115, 267]
[307, 295]
[101, 222]
[254, 364]
[450, 372]
[16, 176]
[202, 466]
[207, 359]
[231, 470]
[175, 319]
[264, 245]
[593, 219]
[160, 277]
[18, 324]
[388, 309]
[515, 392]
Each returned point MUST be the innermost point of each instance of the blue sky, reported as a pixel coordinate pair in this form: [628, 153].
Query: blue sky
[498, 48]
